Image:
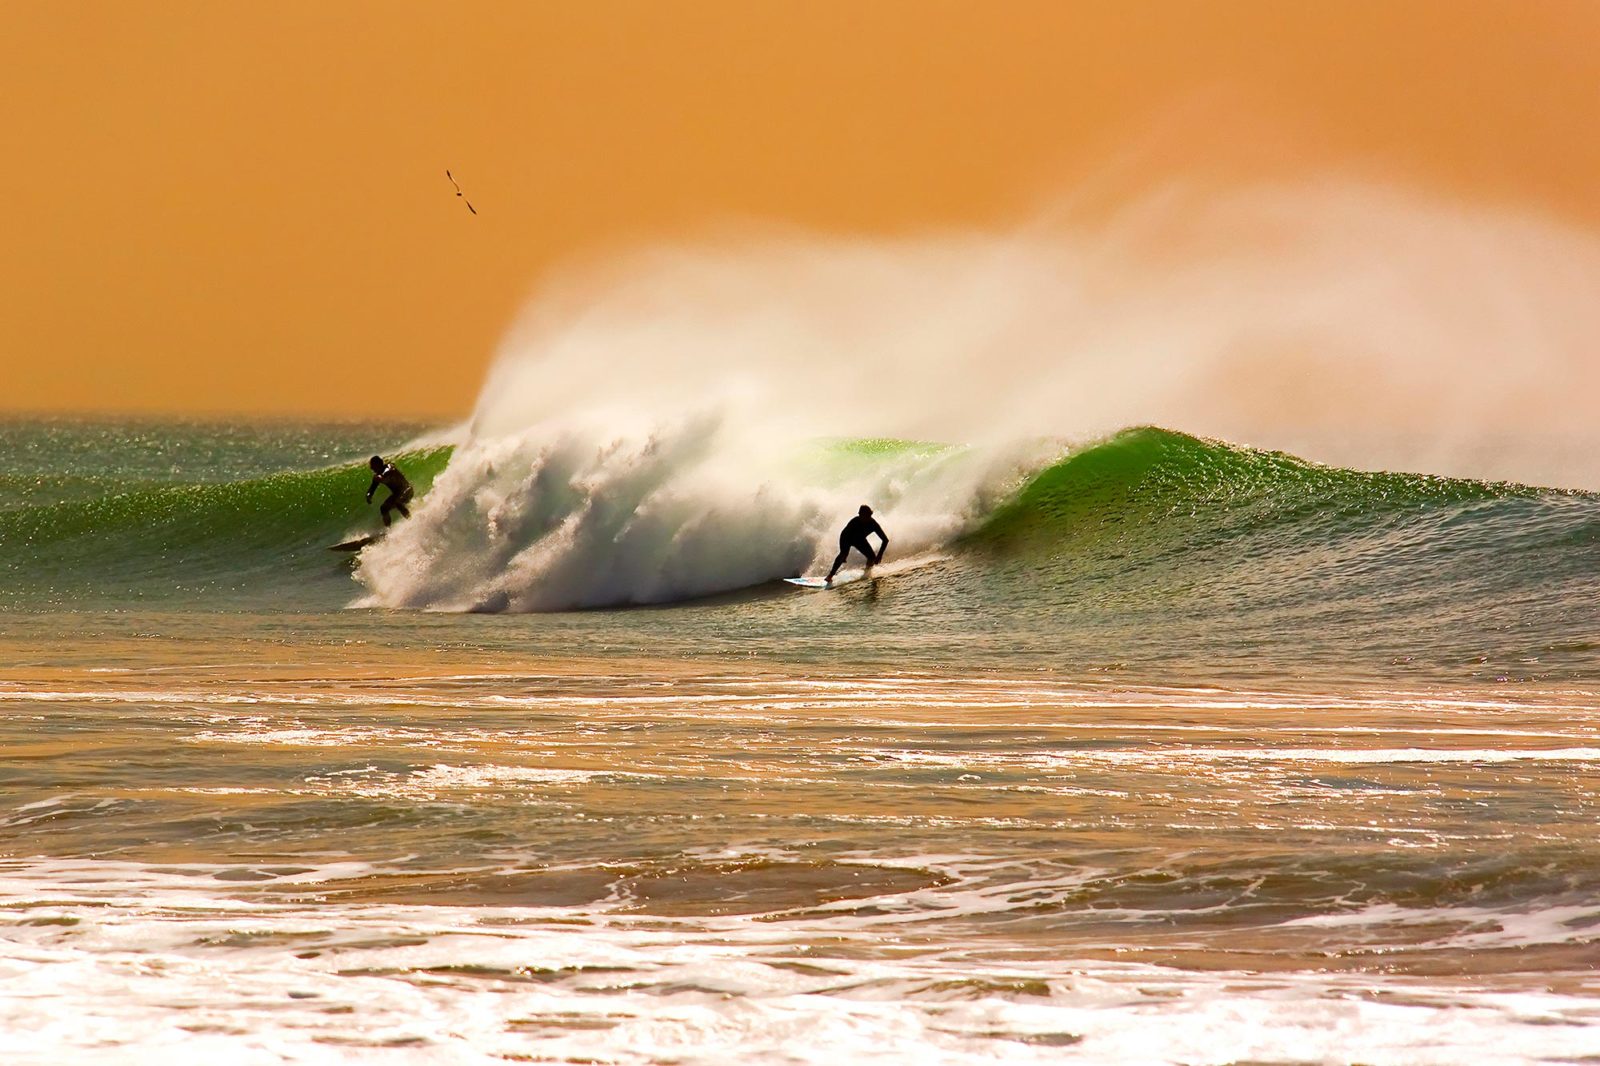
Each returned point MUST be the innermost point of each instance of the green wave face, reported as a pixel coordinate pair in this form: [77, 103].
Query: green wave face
[1207, 556]
[162, 541]
[1187, 511]
[1171, 483]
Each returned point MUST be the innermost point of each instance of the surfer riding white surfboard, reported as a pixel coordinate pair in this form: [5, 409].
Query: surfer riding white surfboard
[854, 535]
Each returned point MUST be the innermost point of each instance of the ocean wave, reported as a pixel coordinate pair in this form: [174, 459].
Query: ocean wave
[556, 520]
[571, 517]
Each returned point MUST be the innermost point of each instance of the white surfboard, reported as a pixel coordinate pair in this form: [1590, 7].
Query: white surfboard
[846, 577]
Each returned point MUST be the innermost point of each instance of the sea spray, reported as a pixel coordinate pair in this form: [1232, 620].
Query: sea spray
[569, 516]
[1386, 329]
[636, 438]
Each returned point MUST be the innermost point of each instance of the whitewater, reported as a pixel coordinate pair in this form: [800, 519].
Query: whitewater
[1232, 694]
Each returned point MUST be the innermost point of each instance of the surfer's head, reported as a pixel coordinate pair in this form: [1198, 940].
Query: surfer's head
[865, 512]
[377, 464]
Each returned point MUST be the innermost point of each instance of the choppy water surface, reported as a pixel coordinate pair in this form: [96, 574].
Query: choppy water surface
[1307, 779]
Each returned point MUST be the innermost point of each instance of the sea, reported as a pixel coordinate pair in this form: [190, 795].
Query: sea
[1143, 748]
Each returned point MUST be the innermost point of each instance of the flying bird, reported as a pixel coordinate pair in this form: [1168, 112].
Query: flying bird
[461, 194]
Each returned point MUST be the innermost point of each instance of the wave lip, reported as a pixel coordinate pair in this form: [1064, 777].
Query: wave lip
[1150, 474]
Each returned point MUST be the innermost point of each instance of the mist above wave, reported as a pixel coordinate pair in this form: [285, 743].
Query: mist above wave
[634, 441]
[1343, 308]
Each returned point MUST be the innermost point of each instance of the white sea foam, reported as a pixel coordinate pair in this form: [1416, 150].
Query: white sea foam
[1003, 839]
[443, 780]
[1473, 928]
[125, 962]
[574, 514]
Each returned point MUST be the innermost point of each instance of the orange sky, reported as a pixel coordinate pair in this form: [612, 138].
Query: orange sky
[241, 207]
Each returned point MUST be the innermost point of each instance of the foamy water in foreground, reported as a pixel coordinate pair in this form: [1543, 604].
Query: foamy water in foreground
[674, 862]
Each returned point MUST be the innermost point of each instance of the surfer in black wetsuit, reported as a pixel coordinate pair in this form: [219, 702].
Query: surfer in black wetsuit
[854, 535]
[400, 491]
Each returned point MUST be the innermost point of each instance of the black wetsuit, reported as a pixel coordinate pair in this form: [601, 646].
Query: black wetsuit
[400, 491]
[854, 535]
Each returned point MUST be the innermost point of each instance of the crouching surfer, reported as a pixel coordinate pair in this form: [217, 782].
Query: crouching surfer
[400, 492]
[854, 535]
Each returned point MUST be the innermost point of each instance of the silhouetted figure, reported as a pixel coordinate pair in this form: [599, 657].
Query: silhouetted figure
[854, 535]
[400, 491]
